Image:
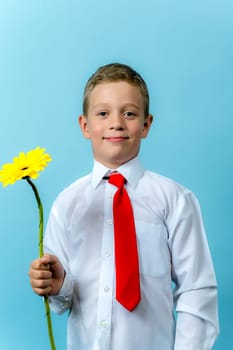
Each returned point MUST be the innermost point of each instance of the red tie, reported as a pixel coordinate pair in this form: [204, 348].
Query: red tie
[126, 255]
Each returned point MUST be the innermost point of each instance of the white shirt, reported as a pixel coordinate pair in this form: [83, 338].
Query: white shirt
[172, 248]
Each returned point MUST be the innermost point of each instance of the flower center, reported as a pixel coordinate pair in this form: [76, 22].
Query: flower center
[25, 168]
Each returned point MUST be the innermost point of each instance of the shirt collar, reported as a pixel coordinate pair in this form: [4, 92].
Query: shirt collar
[131, 170]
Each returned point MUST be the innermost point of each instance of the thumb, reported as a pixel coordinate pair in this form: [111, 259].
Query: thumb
[54, 265]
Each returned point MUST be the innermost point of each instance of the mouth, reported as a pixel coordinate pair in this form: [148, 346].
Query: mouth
[116, 138]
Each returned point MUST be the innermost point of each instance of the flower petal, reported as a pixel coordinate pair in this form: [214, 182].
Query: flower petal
[24, 165]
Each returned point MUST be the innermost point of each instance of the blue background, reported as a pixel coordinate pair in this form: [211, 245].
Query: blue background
[48, 49]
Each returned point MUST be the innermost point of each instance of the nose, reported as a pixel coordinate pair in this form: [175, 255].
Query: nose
[116, 121]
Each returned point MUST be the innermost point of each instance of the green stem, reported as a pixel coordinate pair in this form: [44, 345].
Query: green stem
[49, 323]
[41, 217]
[41, 253]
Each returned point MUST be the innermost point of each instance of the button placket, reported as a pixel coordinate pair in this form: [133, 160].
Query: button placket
[104, 309]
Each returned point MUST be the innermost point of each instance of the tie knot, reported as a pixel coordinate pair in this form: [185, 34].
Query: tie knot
[116, 179]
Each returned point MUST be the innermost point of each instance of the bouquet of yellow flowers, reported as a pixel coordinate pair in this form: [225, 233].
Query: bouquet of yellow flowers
[27, 166]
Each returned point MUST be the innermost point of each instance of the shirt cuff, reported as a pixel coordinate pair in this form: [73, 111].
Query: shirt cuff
[61, 302]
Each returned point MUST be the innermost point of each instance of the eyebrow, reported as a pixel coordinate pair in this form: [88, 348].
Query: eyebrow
[101, 105]
[131, 105]
[126, 105]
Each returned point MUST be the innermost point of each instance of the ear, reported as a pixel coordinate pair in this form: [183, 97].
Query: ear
[146, 126]
[83, 123]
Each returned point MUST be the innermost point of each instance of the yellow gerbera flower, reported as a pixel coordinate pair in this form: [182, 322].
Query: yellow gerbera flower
[25, 165]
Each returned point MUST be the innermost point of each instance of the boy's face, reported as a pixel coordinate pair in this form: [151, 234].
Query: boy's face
[115, 122]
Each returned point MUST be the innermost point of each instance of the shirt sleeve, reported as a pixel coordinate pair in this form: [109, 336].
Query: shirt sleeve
[56, 243]
[195, 292]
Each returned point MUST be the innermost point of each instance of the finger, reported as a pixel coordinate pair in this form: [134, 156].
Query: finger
[42, 291]
[42, 284]
[44, 266]
[55, 265]
[40, 274]
[46, 262]
[35, 264]
[38, 265]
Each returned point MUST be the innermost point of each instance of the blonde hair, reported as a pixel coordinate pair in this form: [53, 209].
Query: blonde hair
[116, 72]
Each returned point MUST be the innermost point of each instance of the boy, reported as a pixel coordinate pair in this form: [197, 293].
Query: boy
[79, 271]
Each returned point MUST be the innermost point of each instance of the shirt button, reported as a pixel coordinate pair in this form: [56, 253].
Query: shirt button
[108, 253]
[109, 221]
[106, 289]
[103, 324]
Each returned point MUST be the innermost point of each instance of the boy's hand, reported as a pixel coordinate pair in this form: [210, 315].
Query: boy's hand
[46, 275]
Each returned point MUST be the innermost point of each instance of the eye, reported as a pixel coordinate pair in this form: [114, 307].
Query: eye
[129, 114]
[102, 114]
